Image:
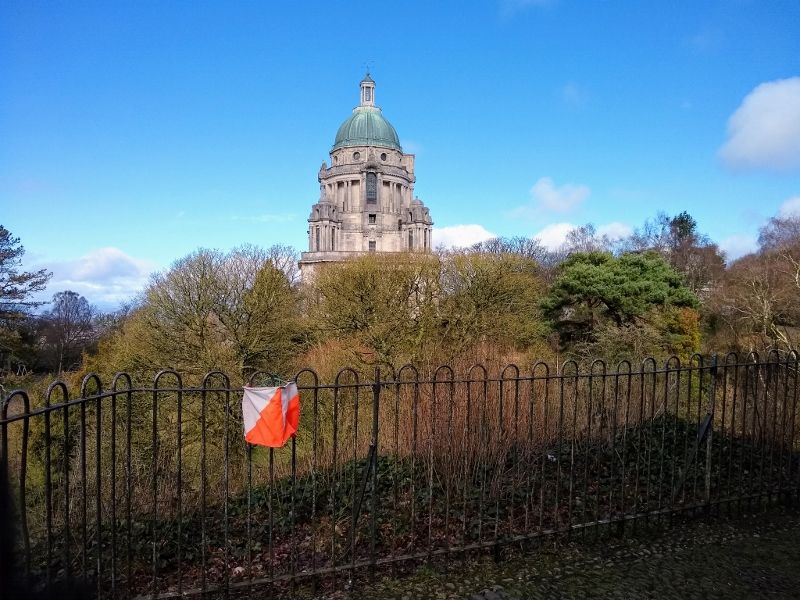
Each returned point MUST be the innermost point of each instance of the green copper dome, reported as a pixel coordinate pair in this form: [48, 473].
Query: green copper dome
[366, 127]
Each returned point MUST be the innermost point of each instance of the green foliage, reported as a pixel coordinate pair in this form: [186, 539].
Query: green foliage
[16, 289]
[596, 287]
[271, 330]
[660, 333]
[683, 227]
[689, 252]
[491, 296]
[211, 310]
[681, 328]
[412, 307]
[384, 303]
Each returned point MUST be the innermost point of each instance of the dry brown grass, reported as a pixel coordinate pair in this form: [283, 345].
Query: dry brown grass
[451, 421]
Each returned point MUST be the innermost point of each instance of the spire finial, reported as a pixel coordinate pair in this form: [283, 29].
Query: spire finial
[367, 67]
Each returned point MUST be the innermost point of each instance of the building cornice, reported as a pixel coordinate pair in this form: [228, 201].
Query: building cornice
[338, 170]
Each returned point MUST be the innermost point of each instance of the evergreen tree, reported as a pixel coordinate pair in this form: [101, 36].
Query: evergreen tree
[17, 288]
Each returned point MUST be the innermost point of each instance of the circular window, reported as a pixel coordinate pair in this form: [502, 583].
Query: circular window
[383, 156]
[356, 155]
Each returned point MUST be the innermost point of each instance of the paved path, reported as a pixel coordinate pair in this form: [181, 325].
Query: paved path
[749, 557]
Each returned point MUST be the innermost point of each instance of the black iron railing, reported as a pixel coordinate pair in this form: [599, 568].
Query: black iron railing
[150, 490]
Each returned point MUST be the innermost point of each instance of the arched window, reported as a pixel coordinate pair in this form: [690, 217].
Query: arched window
[372, 188]
[410, 239]
[317, 246]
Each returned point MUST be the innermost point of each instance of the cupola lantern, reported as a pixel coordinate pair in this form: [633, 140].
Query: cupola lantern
[367, 91]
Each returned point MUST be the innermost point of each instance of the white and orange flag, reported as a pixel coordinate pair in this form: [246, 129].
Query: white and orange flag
[271, 414]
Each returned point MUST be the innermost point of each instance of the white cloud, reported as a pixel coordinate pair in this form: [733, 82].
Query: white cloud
[105, 276]
[790, 208]
[558, 198]
[737, 245]
[460, 236]
[546, 196]
[554, 235]
[764, 132]
[615, 230]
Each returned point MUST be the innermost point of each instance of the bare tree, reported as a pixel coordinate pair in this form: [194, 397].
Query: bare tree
[586, 239]
[237, 311]
[69, 328]
[521, 246]
[689, 252]
[780, 233]
[285, 259]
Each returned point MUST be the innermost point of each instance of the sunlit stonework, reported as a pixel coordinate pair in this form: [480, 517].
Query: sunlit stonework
[366, 201]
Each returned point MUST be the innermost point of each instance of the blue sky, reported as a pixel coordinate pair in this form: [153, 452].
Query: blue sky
[133, 133]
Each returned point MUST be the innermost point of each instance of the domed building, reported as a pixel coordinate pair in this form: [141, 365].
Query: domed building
[366, 195]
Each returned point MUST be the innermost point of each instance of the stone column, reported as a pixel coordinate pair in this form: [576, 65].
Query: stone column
[380, 199]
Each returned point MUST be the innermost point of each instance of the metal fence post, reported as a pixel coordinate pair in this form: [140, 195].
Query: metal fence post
[712, 391]
[376, 393]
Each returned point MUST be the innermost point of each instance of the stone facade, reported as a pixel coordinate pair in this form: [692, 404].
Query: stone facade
[366, 201]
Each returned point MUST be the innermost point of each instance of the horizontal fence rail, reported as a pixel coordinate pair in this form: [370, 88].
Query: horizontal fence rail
[149, 490]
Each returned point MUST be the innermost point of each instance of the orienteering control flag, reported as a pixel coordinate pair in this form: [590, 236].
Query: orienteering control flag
[271, 414]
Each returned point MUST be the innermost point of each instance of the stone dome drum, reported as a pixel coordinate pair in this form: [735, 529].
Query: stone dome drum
[367, 127]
